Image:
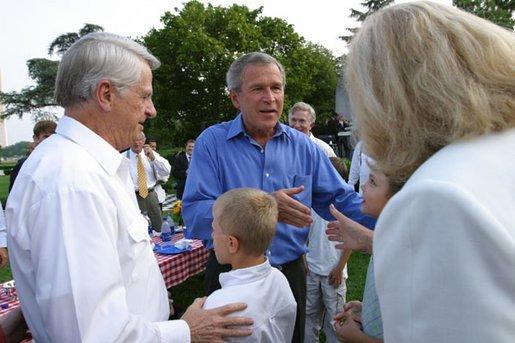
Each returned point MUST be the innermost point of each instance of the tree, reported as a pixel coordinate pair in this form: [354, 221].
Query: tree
[17, 149]
[39, 100]
[196, 47]
[499, 12]
[372, 6]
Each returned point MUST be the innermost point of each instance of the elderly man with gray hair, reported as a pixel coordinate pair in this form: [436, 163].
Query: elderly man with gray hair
[302, 117]
[79, 248]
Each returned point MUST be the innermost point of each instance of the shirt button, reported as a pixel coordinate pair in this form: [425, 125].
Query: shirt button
[267, 175]
[262, 150]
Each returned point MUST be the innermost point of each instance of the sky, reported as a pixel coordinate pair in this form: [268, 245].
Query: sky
[28, 26]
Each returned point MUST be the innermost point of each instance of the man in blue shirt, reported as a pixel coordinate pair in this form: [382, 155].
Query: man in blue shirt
[255, 150]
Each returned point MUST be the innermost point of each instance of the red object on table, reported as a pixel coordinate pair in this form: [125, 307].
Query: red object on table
[175, 269]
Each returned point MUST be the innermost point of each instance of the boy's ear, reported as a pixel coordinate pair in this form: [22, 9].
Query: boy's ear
[234, 244]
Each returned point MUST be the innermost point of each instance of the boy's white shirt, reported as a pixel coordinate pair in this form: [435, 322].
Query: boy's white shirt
[269, 300]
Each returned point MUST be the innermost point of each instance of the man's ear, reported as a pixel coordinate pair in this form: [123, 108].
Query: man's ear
[234, 244]
[235, 99]
[104, 95]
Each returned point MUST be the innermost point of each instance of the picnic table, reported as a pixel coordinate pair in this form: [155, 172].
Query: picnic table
[175, 269]
[178, 268]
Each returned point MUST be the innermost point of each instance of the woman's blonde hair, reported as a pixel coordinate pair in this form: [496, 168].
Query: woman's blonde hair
[421, 76]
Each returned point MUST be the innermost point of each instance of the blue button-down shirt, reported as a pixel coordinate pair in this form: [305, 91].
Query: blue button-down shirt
[226, 157]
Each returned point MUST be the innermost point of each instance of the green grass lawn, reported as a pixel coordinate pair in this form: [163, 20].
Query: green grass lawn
[4, 186]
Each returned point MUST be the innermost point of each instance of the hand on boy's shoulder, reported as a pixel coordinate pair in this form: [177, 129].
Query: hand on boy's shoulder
[213, 325]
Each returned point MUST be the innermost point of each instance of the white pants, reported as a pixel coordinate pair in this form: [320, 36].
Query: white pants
[320, 297]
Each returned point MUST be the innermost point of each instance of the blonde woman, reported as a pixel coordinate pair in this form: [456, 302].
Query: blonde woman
[433, 91]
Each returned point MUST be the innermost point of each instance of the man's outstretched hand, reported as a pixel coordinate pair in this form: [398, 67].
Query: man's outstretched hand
[292, 211]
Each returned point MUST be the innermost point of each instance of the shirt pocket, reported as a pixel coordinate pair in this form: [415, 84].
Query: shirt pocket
[302, 180]
[138, 230]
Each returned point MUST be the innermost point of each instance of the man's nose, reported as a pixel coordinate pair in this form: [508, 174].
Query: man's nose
[268, 95]
[150, 110]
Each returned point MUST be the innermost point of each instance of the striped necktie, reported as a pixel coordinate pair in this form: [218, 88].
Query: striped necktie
[142, 178]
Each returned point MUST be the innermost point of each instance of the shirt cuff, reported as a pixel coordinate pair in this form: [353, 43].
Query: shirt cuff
[174, 331]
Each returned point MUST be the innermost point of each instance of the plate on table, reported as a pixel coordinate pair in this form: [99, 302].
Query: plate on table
[170, 249]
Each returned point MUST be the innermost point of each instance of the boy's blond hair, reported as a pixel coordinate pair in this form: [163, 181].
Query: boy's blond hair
[250, 215]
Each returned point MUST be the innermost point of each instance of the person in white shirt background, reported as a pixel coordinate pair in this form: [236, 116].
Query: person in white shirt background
[359, 168]
[326, 266]
[433, 92]
[160, 191]
[79, 248]
[157, 169]
[243, 226]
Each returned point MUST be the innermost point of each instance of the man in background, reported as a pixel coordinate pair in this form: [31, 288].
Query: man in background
[147, 169]
[181, 166]
[160, 191]
[302, 117]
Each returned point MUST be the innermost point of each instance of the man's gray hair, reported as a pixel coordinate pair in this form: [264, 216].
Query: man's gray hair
[99, 56]
[302, 106]
[234, 77]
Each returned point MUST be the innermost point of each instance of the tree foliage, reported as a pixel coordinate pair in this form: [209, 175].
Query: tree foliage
[371, 7]
[197, 46]
[17, 149]
[38, 100]
[497, 11]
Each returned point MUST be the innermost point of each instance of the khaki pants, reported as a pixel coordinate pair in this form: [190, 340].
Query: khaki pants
[151, 205]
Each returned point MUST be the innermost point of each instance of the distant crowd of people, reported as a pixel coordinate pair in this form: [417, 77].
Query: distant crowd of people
[433, 97]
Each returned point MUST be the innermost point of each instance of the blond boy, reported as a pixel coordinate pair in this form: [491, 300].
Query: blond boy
[243, 226]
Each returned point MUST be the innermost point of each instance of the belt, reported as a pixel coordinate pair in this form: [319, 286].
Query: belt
[149, 190]
[290, 264]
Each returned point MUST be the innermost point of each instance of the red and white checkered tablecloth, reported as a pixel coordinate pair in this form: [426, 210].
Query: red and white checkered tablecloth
[8, 302]
[178, 268]
[175, 269]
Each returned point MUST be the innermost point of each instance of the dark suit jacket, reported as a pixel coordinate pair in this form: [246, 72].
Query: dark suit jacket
[15, 171]
[179, 168]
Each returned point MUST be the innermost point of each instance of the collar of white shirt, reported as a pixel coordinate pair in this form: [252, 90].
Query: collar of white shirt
[245, 275]
[96, 146]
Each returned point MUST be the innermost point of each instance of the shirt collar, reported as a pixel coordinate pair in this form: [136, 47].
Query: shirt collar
[237, 128]
[132, 153]
[245, 275]
[96, 146]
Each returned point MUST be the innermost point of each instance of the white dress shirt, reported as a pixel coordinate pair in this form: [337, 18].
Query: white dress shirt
[157, 170]
[444, 247]
[269, 300]
[359, 167]
[326, 148]
[322, 255]
[79, 248]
